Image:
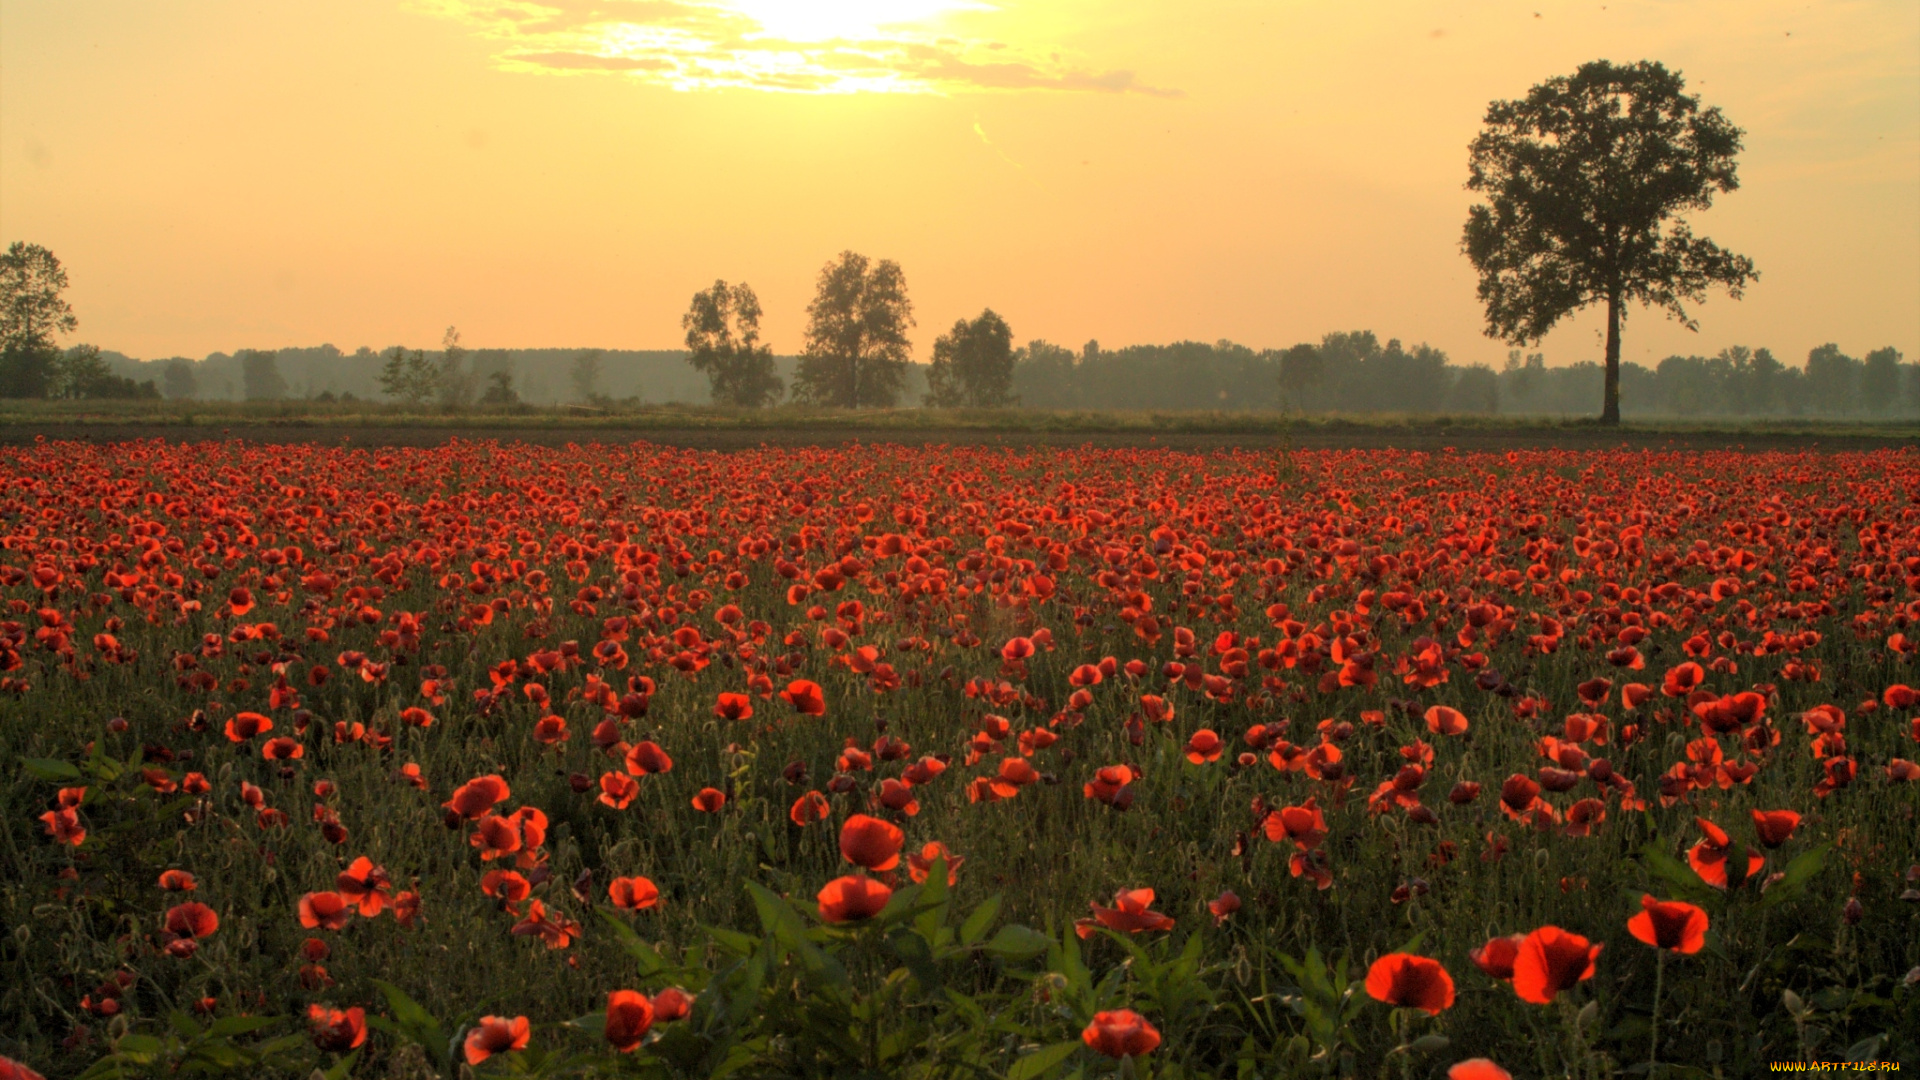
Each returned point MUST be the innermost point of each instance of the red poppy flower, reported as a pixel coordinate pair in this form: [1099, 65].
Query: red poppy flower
[1683, 679]
[246, 725]
[328, 910]
[920, 863]
[13, 1070]
[192, 920]
[647, 758]
[1496, 957]
[1205, 746]
[364, 884]
[1670, 924]
[805, 697]
[629, 1015]
[617, 790]
[1120, 1033]
[1223, 906]
[734, 707]
[336, 1031]
[871, 842]
[177, 881]
[809, 808]
[1552, 960]
[496, 1035]
[1442, 720]
[496, 836]
[1131, 912]
[1015, 773]
[849, 899]
[1410, 982]
[505, 885]
[1478, 1069]
[477, 796]
[283, 748]
[671, 1004]
[1775, 826]
[710, 800]
[1303, 824]
[633, 893]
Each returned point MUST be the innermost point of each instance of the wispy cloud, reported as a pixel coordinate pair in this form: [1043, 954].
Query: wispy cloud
[831, 47]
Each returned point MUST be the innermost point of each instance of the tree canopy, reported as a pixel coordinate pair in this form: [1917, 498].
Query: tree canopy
[973, 365]
[856, 346]
[723, 342]
[1586, 178]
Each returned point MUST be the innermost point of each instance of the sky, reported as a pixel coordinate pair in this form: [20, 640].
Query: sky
[219, 174]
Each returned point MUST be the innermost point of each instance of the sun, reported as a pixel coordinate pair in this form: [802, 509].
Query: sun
[850, 20]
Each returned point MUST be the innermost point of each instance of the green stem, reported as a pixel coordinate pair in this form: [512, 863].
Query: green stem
[1659, 984]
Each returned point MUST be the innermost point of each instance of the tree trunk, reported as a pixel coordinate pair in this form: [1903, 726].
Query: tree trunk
[1610, 406]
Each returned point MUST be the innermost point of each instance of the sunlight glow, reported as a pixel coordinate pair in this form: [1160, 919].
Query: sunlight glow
[849, 20]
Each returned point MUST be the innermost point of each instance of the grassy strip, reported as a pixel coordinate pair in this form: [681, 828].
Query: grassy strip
[789, 418]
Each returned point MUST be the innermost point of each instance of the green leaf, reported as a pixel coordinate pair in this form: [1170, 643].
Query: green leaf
[976, 925]
[643, 954]
[1015, 942]
[183, 1024]
[228, 1026]
[139, 1044]
[1040, 1061]
[1802, 869]
[1654, 857]
[594, 1024]
[51, 770]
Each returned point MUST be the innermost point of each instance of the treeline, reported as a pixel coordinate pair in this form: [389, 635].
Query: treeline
[1346, 372]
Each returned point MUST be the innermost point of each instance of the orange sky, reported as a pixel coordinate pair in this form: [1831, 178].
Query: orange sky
[220, 174]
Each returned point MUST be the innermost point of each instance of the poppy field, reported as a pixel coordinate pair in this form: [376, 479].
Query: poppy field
[875, 761]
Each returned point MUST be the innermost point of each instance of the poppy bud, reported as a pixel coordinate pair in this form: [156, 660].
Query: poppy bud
[117, 725]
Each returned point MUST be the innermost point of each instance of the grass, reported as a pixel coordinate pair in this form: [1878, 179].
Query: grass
[1263, 992]
[880, 422]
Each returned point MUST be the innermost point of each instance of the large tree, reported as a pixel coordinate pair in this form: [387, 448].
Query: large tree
[1586, 180]
[32, 312]
[723, 341]
[973, 365]
[856, 341]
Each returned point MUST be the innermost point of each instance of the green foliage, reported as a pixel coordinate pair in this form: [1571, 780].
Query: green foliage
[973, 365]
[1587, 179]
[856, 348]
[32, 311]
[723, 342]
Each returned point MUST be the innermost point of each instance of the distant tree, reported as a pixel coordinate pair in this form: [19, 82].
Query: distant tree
[77, 373]
[500, 390]
[1766, 382]
[856, 349]
[178, 379]
[32, 311]
[407, 376]
[586, 377]
[973, 365]
[723, 342]
[1044, 375]
[1831, 379]
[1585, 177]
[455, 384]
[1880, 380]
[1301, 371]
[260, 375]
[1476, 389]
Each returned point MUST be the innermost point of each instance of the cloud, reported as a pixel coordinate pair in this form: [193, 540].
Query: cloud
[714, 44]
